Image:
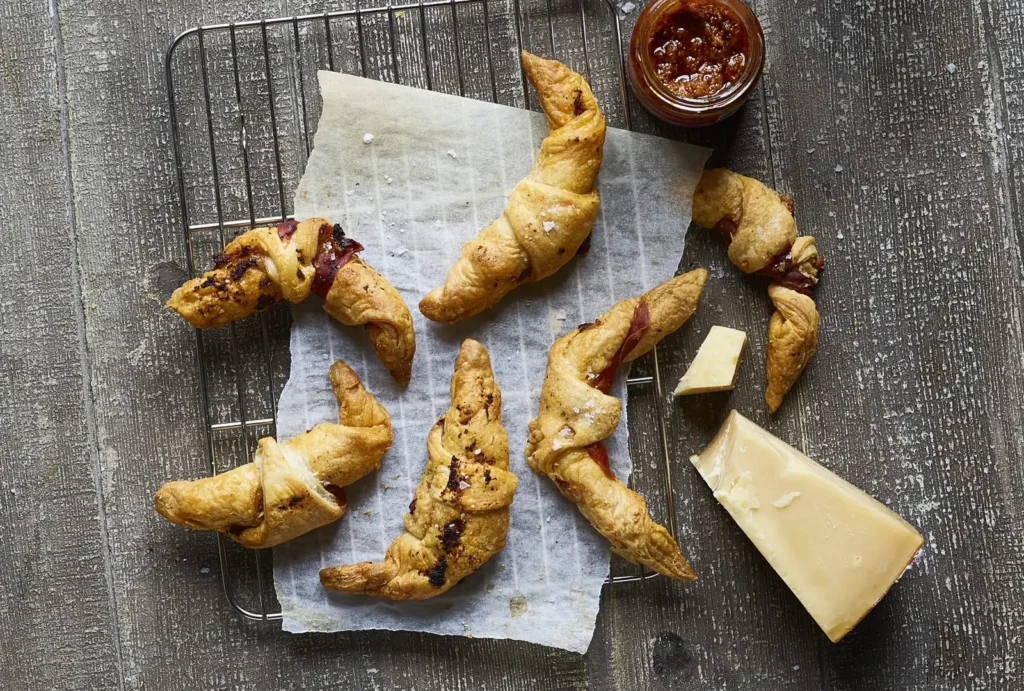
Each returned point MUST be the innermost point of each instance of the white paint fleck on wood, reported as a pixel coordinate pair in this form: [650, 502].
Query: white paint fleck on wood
[56, 611]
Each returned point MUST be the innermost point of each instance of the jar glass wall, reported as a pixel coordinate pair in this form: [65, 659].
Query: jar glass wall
[665, 94]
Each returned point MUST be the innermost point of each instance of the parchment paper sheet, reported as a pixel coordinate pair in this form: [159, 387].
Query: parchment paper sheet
[437, 170]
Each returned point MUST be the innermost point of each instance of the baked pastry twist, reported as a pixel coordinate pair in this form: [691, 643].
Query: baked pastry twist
[793, 332]
[459, 515]
[549, 213]
[756, 222]
[758, 226]
[256, 270]
[576, 414]
[287, 261]
[355, 294]
[290, 487]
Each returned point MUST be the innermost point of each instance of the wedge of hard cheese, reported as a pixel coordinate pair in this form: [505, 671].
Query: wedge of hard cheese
[836, 548]
[717, 361]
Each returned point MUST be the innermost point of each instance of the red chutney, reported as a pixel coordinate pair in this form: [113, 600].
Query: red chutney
[700, 49]
[599, 455]
[334, 251]
[286, 229]
[638, 326]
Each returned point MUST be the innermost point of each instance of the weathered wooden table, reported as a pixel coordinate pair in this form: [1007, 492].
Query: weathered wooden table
[896, 126]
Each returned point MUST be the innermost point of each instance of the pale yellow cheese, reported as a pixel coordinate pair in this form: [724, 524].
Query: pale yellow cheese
[716, 364]
[836, 548]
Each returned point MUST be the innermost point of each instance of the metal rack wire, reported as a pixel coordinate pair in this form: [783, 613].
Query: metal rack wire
[240, 95]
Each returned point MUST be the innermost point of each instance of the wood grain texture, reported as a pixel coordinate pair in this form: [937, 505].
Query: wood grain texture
[896, 128]
[56, 610]
[894, 159]
[923, 322]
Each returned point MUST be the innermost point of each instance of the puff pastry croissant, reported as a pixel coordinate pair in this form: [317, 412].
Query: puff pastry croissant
[549, 213]
[290, 487]
[287, 261]
[254, 271]
[355, 294]
[758, 226]
[459, 515]
[576, 414]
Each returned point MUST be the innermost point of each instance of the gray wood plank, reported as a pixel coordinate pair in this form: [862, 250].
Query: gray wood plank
[914, 395]
[59, 629]
[874, 114]
[1000, 69]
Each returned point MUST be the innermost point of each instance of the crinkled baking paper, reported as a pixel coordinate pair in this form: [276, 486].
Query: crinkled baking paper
[412, 175]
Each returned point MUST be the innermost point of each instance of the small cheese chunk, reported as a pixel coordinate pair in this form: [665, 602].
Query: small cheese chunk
[716, 364]
[836, 548]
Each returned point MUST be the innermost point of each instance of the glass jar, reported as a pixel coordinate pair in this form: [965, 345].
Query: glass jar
[652, 90]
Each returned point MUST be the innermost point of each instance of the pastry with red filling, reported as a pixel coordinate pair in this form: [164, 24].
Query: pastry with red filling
[255, 271]
[288, 261]
[577, 414]
[355, 295]
[757, 224]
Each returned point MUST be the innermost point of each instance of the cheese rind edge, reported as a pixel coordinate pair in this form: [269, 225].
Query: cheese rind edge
[838, 549]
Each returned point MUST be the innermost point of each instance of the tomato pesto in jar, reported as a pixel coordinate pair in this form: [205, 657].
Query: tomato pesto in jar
[694, 62]
[699, 49]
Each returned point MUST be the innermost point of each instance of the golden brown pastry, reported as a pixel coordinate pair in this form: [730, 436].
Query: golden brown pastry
[549, 212]
[292, 487]
[576, 414]
[355, 294]
[459, 515]
[256, 270]
[792, 340]
[757, 223]
[264, 265]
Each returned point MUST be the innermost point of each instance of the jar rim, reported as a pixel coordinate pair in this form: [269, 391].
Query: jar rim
[644, 31]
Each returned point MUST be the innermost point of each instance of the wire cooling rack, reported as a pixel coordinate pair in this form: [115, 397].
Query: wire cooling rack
[243, 107]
